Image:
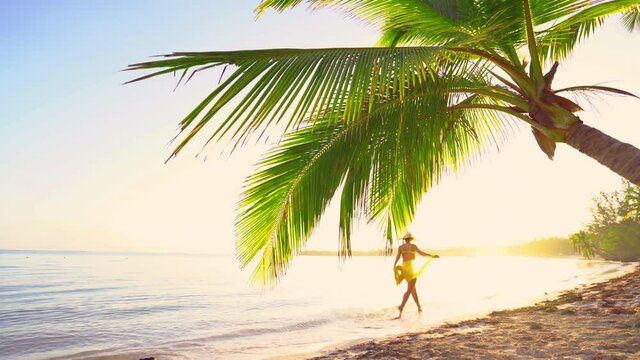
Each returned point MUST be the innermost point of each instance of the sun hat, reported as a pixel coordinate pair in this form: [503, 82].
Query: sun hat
[408, 236]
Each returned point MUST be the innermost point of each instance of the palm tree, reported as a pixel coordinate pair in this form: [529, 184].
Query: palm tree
[383, 124]
[585, 243]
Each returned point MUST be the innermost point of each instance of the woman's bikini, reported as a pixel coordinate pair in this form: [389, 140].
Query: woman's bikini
[404, 251]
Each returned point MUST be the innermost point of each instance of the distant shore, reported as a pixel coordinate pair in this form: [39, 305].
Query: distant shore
[545, 247]
[598, 321]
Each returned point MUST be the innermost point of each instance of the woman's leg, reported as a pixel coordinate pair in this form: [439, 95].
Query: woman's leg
[414, 294]
[410, 287]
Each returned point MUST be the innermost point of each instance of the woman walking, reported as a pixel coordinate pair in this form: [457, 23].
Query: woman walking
[407, 272]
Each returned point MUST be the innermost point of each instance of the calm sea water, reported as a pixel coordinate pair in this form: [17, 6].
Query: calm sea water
[84, 305]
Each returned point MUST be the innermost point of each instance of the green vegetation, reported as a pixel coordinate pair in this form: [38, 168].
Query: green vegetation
[383, 124]
[614, 230]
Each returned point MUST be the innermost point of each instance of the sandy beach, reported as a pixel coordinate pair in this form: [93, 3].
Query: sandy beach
[597, 321]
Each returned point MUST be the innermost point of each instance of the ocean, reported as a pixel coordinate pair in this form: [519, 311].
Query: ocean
[130, 306]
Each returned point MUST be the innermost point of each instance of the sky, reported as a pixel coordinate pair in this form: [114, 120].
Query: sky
[82, 156]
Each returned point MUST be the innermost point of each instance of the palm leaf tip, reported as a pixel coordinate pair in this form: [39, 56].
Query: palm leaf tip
[631, 18]
[275, 84]
[597, 88]
[278, 5]
[285, 198]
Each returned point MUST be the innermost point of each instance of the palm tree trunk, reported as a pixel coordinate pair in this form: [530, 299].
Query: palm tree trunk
[622, 158]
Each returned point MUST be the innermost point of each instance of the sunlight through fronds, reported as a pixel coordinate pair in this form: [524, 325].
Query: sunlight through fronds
[631, 18]
[385, 159]
[558, 41]
[385, 123]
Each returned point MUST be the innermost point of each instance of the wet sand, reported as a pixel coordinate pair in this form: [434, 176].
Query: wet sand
[598, 321]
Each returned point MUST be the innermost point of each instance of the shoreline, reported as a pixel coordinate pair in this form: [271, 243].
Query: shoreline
[597, 320]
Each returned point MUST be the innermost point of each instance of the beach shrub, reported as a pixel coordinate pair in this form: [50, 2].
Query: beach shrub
[614, 230]
[620, 241]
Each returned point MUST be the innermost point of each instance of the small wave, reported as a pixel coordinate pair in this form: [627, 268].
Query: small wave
[117, 353]
[375, 314]
[13, 288]
[383, 313]
[126, 313]
[34, 294]
[304, 325]
[610, 271]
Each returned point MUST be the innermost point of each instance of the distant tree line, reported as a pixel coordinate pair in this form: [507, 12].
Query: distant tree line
[612, 234]
[551, 247]
[614, 230]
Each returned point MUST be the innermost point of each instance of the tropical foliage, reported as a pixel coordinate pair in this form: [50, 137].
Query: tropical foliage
[383, 124]
[614, 230]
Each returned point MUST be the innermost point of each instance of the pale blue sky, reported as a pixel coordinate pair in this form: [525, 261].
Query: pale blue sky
[81, 156]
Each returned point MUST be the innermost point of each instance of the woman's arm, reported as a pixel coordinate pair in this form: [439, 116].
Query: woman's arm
[397, 258]
[425, 254]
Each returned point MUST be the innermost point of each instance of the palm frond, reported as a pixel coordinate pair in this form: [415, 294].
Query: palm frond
[405, 163]
[490, 34]
[427, 140]
[386, 159]
[631, 18]
[283, 201]
[285, 198]
[280, 5]
[557, 41]
[546, 11]
[437, 13]
[597, 88]
[353, 199]
[536, 67]
[424, 22]
[293, 83]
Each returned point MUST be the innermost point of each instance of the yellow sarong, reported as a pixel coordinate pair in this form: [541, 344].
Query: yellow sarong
[407, 272]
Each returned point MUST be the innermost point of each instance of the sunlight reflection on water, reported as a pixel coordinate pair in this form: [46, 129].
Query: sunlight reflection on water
[60, 304]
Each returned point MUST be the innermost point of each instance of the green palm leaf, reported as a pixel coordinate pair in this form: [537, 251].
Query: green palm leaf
[285, 198]
[596, 89]
[558, 41]
[294, 83]
[631, 18]
[386, 159]
[431, 138]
